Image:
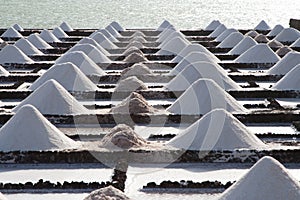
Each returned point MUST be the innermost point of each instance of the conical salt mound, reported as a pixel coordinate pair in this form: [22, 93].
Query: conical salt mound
[198, 70]
[117, 26]
[130, 84]
[109, 193]
[38, 42]
[231, 40]
[290, 81]
[91, 41]
[12, 54]
[27, 47]
[225, 34]
[242, 46]
[107, 34]
[29, 130]
[262, 26]
[51, 98]
[211, 96]
[133, 104]
[92, 52]
[48, 36]
[274, 44]
[135, 58]
[163, 25]
[260, 38]
[296, 43]
[75, 81]
[217, 130]
[136, 44]
[59, 33]
[252, 34]
[287, 63]
[3, 72]
[191, 58]
[275, 31]
[260, 53]
[268, 179]
[17, 27]
[165, 34]
[113, 31]
[212, 25]
[136, 70]
[165, 39]
[66, 27]
[82, 61]
[288, 35]
[131, 50]
[173, 46]
[193, 48]
[103, 41]
[11, 33]
[282, 51]
[218, 31]
[138, 34]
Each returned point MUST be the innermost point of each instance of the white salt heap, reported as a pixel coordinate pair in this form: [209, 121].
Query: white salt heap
[135, 57]
[163, 36]
[212, 96]
[198, 70]
[288, 35]
[38, 42]
[138, 34]
[282, 51]
[137, 69]
[11, 33]
[130, 84]
[165, 24]
[260, 53]
[122, 136]
[274, 44]
[3, 72]
[242, 46]
[212, 25]
[262, 26]
[173, 46]
[52, 98]
[133, 104]
[216, 130]
[113, 31]
[268, 179]
[103, 41]
[18, 27]
[225, 34]
[48, 36]
[59, 33]
[107, 34]
[82, 61]
[275, 31]
[260, 38]
[164, 39]
[287, 63]
[252, 34]
[290, 81]
[92, 52]
[27, 47]
[218, 31]
[296, 43]
[2, 44]
[68, 75]
[66, 27]
[12, 54]
[29, 130]
[137, 44]
[107, 193]
[2, 197]
[117, 26]
[231, 40]
[91, 41]
[131, 50]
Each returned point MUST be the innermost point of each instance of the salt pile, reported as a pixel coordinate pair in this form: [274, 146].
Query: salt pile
[166, 34]
[91, 41]
[59, 33]
[113, 31]
[52, 98]
[2, 197]
[287, 63]
[242, 46]
[11, 33]
[165, 24]
[130, 84]
[290, 81]
[191, 58]
[3, 72]
[67, 75]
[138, 34]
[66, 27]
[282, 51]
[260, 53]
[252, 34]
[260, 38]
[27, 47]
[173, 46]
[117, 26]
[137, 69]
[135, 58]
[122, 136]
[216, 130]
[275, 31]
[103, 41]
[18, 27]
[82, 61]
[133, 104]
[106, 34]
[107, 193]
[198, 70]
[231, 40]
[136, 44]
[212, 25]
[12, 54]
[274, 44]
[262, 26]
[212, 96]
[296, 43]
[3, 44]
[131, 50]
[288, 35]
[29, 130]
[38, 42]
[218, 31]
[92, 52]
[268, 179]
[225, 34]
[48, 36]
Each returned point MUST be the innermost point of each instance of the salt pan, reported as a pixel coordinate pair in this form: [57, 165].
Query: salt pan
[12, 54]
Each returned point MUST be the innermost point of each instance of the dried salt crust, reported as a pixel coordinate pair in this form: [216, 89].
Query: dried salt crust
[290, 81]
[262, 26]
[66, 27]
[218, 31]
[27, 47]
[38, 42]
[107, 193]
[48, 36]
[231, 40]
[212, 25]
[11, 33]
[287, 63]
[103, 41]
[12, 54]
[130, 84]
[242, 46]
